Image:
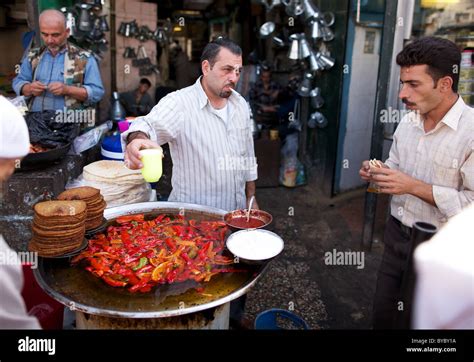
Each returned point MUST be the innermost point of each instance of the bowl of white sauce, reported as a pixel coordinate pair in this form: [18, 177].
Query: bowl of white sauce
[255, 245]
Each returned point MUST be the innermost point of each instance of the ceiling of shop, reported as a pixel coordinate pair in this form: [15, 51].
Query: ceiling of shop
[196, 4]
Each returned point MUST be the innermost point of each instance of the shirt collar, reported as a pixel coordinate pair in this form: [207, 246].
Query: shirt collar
[203, 99]
[451, 119]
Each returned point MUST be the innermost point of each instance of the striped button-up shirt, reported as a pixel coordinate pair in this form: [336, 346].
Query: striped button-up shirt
[212, 158]
[442, 157]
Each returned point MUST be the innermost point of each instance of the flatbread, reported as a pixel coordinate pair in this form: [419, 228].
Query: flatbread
[110, 171]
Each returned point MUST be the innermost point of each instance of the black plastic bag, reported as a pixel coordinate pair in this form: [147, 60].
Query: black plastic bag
[47, 132]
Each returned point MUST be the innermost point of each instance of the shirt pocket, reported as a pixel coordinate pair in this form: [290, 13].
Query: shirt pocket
[239, 137]
[446, 168]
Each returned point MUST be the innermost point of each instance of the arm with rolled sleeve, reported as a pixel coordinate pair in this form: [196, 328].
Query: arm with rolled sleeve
[25, 76]
[93, 82]
[451, 201]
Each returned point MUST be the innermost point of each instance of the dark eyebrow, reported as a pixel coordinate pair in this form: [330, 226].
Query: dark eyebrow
[410, 81]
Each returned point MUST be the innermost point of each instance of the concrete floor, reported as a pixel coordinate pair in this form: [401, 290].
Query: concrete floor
[325, 296]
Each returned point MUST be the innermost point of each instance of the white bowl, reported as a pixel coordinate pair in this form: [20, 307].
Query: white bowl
[255, 244]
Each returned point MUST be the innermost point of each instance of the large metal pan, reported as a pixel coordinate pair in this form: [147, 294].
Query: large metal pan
[78, 289]
[43, 159]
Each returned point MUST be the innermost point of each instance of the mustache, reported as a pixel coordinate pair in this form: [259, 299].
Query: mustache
[232, 84]
[405, 101]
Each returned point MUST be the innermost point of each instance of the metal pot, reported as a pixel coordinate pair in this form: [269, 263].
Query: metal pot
[310, 10]
[293, 7]
[326, 60]
[85, 20]
[317, 119]
[267, 29]
[299, 47]
[316, 100]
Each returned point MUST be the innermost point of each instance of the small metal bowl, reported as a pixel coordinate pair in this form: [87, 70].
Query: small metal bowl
[259, 215]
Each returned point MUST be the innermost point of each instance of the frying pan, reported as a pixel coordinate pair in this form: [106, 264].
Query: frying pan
[43, 159]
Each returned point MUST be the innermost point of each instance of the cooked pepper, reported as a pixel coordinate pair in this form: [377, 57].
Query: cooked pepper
[143, 261]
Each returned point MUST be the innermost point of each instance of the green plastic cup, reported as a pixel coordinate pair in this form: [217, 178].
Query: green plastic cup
[152, 164]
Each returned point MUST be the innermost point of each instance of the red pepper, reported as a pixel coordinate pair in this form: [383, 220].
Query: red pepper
[170, 243]
[129, 218]
[186, 258]
[113, 282]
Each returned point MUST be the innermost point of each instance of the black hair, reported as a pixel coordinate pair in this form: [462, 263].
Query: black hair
[145, 81]
[211, 50]
[442, 57]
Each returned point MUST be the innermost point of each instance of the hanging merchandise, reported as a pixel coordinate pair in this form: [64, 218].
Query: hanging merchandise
[87, 28]
[309, 49]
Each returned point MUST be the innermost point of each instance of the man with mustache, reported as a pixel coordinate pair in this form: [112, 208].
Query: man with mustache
[430, 170]
[58, 75]
[208, 128]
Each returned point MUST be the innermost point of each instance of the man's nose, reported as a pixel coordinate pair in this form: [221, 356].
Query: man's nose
[234, 77]
[403, 92]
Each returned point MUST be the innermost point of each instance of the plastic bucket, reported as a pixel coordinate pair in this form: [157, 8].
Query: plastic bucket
[279, 319]
[112, 148]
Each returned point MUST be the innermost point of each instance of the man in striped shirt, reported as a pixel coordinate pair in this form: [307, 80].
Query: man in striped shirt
[430, 171]
[207, 126]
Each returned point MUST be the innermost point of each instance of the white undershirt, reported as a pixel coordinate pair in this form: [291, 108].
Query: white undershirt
[222, 113]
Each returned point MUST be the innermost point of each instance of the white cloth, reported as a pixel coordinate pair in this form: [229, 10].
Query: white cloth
[12, 307]
[443, 157]
[444, 292]
[14, 138]
[223, 113]
[212, 160]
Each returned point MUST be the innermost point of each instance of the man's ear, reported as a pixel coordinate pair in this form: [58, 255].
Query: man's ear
[206, 67]
[445, 84]
[68, 31]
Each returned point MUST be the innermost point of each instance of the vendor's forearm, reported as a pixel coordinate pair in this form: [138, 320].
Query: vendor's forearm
[250, 189]
[137, 135]
[78, 93]
[423, 191]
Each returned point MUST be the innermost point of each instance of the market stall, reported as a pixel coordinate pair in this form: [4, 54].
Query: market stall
[188, 304]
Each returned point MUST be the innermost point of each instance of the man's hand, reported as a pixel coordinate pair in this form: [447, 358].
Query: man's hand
[58, 88]
[132, 152]
[36, 89]
[393, 182]
[364, 171]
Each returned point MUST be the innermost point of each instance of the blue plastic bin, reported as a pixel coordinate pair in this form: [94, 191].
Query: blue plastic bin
[112, 148]
[279, 319]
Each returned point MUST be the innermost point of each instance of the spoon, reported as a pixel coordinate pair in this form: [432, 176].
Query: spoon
[250, 207]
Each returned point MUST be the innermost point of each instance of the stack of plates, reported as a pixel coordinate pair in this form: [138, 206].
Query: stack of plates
[118, 184]
[58, 227]
[94, 200]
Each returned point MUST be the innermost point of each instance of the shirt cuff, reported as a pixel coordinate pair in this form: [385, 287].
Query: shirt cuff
[252, 174]
[138, 125]
[90, 95]
[447, 200]
[17, 87]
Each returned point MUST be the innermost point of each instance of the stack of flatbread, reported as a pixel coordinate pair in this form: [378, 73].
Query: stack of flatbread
[94, 200]
[58, 227]
[118, 184]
